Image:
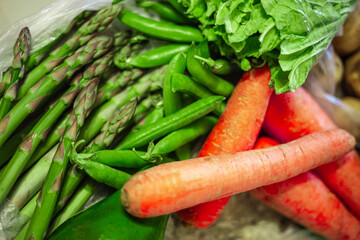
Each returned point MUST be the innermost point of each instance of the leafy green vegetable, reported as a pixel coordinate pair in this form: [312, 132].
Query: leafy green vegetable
[289, 35]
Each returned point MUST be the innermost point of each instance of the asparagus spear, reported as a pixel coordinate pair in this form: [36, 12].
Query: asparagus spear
[6, 77]
[51, 140]
[30, 183]
[35, 96]
[103, 113]
[96, 24]
[9, 148]
[76, 202]
[114, 85]
[14, 168]
[52, 184]
[113, 126]
[27, 210]
[94, 70]
[38, 55]
[21, 53]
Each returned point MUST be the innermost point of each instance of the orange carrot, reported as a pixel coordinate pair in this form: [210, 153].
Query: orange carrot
[308, 201]
[174, 186]
[293, 115]
[236, 130]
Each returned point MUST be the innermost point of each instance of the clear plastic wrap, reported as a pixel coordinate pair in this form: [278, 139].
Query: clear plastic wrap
[322, 85]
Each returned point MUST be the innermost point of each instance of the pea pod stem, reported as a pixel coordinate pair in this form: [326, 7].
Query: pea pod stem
[161, 30]
[183, 83]
[205, 77]
[218, 66]
[170, 123]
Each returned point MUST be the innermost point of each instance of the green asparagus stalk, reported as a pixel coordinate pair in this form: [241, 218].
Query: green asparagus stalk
[30, 183]
[94, 49]
[76, 202]
[96, 69]
[39, 54]
[114, 85]
[112, 127]
[11, 172]
[14, 168]
[21, 54]
[6, 77]
[50, 191]
[103, 113]
[9, 148]
[52, 139]
[27, 210]
[96, 24]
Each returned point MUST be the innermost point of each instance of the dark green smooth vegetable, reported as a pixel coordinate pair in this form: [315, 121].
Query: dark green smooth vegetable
[183, 83]
[204, 76]
[177, 6]
[203, 48]
[109, 220]
[170, 123]
[157, 56]
[172, 101]
[102, 173]
[184, 152]
[160, 30]
[165, 12]
[184, 135]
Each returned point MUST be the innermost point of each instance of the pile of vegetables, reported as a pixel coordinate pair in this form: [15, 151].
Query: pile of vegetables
[92, 108]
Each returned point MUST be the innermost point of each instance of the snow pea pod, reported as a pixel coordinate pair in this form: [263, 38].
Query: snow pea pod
[184, 135]
[120, 158]
[102, 173]
[170, 123]
[165, 12]
[183, 83]
[161, 30]
[172, 101]
[206, 77]
[158, 56]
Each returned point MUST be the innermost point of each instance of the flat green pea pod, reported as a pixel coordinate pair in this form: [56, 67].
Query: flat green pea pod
[158, 56]
[184, 135]
[170, 123]
[161, 30]
[184, 84]
[165, 12]
[206, 77]
[109, 220]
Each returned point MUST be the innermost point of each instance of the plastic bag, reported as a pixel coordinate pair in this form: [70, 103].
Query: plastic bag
[43, 25]
[322, 86]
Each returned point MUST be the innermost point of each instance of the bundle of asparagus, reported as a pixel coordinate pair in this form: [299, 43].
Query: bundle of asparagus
[39, 130]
